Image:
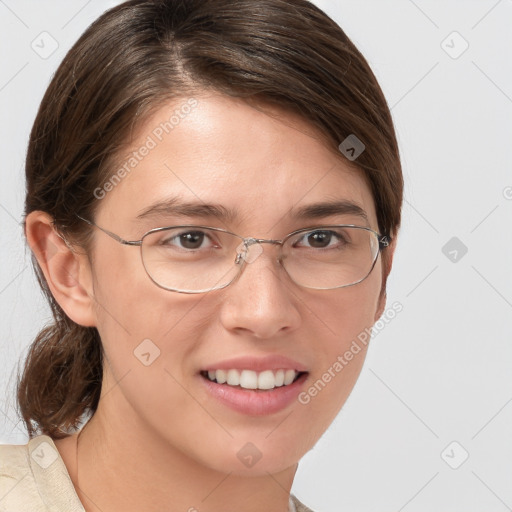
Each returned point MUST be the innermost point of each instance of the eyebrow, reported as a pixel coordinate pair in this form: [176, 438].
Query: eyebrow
[177, 207]
[328, 209]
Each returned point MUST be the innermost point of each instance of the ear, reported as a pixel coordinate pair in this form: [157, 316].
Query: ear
[67, 272]
[387, 263]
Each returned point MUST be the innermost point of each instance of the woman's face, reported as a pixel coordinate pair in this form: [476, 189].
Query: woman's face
[159, 344]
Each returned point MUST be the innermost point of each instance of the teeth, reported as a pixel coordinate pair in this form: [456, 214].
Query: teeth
[248, 379]
[288, 377]
[266, 380]
[219, 375]
[233, 378]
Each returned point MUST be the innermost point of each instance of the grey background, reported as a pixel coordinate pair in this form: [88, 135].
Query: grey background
[439, 372]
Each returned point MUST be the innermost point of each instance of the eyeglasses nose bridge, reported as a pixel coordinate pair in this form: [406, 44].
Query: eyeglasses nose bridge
[247, 242]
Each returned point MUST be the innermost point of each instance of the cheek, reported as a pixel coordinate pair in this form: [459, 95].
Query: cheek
[344, 313]
[130, 309]
[149, 338]
[119, 291]
[150, 333]
[343, 321]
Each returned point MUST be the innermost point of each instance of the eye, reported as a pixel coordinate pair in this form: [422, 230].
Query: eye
[188, 240]
[323, 238]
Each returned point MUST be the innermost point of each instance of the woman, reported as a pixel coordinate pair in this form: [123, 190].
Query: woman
[213, 198]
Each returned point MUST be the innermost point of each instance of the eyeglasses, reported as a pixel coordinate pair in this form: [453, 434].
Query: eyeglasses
[198, 259]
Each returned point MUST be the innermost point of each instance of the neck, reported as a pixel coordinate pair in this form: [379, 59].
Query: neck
[132, 470]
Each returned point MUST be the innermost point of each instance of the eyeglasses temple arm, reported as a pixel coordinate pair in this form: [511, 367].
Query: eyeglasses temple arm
[112, 235]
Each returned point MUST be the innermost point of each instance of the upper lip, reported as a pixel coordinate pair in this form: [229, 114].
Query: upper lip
[257, 364]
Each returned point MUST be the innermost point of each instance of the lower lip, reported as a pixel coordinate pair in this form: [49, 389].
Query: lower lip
[255, 402]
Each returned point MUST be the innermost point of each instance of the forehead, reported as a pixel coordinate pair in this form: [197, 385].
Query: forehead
[263, 167]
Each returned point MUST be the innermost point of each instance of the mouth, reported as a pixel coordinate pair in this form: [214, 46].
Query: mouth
[254, 386]
[266, 380]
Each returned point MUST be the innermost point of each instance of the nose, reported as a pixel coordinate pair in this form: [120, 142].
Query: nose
[262, 301]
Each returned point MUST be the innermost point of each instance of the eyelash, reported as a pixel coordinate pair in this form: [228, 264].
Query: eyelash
[337, 235]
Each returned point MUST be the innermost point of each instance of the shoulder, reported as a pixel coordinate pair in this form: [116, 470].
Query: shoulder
[17, 485]
[299, 507]
[33, 477]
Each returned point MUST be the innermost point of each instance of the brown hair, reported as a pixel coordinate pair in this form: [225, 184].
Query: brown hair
[126, 64]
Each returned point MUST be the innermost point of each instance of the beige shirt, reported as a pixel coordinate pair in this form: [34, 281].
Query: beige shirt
[34, 478]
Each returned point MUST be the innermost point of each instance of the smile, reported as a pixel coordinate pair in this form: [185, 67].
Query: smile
[249, 379]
